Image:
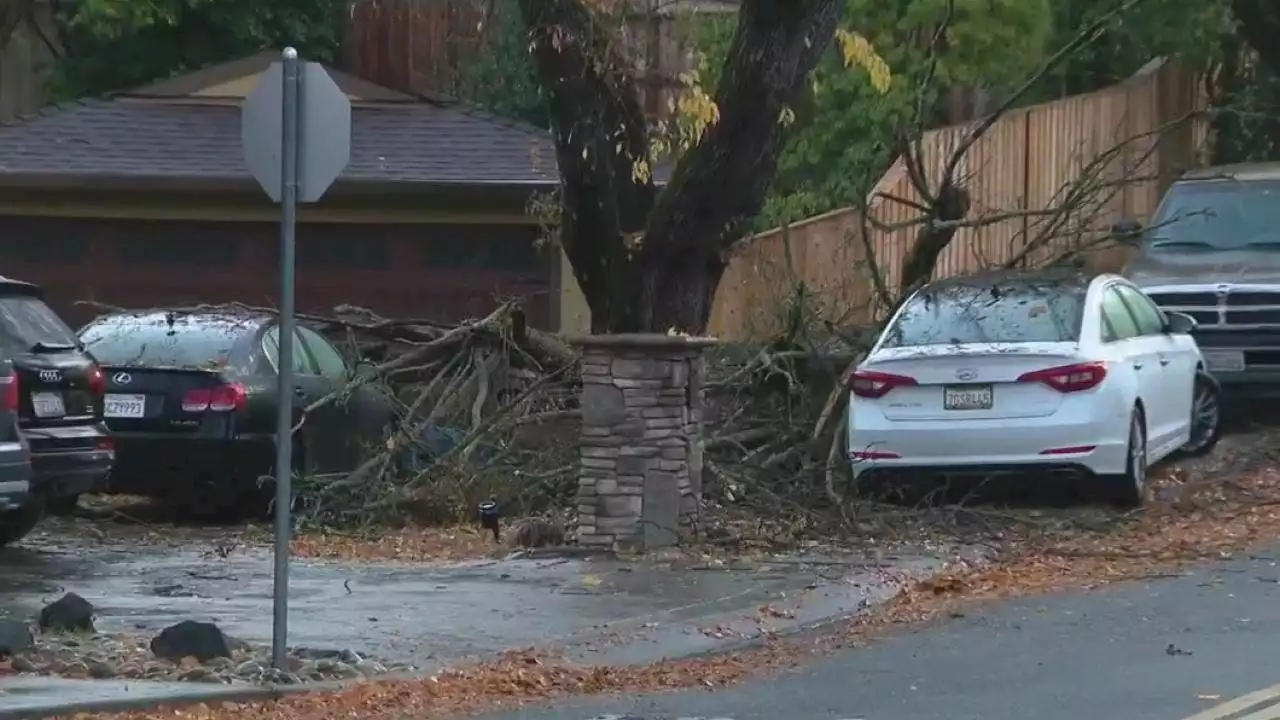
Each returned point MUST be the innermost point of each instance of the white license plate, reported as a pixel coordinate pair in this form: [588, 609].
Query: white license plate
[125, 406]
[48, 405]
[967, 397]
[1223, 360]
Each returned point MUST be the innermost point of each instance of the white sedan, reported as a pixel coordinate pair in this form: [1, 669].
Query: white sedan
[1029, 373]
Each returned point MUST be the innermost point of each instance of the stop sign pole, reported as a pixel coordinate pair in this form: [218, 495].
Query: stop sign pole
[296, 132]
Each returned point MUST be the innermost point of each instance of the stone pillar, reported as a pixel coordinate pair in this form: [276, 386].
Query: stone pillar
[640, 478]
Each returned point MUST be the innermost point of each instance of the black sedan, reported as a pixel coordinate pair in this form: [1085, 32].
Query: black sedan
[191, 400]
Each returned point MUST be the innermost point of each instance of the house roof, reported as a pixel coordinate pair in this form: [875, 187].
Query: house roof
[186, 132]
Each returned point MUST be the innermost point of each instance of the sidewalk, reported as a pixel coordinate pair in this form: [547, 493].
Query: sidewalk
[600, 611]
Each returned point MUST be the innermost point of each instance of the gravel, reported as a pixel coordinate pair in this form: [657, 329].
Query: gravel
[104, 656]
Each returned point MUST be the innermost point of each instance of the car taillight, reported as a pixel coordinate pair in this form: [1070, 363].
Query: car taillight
[219, 398]
[1069, 378]
[97, 381]
[9, 393]
[871, 384]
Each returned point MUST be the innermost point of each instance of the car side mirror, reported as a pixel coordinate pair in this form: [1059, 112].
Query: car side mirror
[1179, 323]
[1126, 230]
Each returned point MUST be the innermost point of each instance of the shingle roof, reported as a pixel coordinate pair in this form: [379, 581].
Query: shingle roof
[164, 141]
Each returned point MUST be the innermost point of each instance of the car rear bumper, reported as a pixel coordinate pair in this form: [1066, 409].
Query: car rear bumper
[158, 464]
[983, 445]
[70, 460]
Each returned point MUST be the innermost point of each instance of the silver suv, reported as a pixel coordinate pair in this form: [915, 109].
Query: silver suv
[1212, 251]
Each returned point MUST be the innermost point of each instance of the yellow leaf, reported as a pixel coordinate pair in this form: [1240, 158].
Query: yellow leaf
[590, 581]
[857, 50]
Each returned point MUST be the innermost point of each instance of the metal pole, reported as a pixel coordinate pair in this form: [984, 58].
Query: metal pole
[284, 389]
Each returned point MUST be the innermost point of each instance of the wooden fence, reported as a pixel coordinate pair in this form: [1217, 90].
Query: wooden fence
[1124, 144]
[24, 56]
[422, 45]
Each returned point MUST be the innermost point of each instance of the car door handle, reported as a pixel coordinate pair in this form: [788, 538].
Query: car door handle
[299, 391]
[1164, 361]
[1137, 366]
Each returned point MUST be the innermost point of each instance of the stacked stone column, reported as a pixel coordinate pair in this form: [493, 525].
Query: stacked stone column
[640, 479]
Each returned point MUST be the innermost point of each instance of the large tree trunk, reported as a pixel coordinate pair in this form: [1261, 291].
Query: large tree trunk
[650, 262]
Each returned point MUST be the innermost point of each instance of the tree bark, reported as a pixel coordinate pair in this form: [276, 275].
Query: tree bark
[650, 262]
[600, 133]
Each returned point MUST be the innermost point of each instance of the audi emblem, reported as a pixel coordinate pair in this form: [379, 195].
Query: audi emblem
[122, 378]
[50, 376]
[966, 374]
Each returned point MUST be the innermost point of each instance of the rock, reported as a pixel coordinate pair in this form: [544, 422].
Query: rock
[24, 665]
[369, 667]
[250, 670]
[15, 636]
[196, 674]
[102, 670]
[203, 641]
[76, 669]
[70, 613]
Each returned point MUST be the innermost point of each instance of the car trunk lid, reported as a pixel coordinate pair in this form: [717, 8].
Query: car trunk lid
[153, 399]
[977, 381]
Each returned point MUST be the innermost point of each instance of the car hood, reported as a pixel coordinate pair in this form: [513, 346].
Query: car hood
[1205, 268]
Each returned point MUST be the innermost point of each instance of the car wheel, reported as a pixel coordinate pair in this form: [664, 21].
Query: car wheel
[1206, 417]
[1130, 489]
[63, 505]
[17, 524]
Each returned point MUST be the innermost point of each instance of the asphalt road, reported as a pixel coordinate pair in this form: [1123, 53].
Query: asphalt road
[1163, 649]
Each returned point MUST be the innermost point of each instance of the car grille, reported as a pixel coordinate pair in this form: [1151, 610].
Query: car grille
[1241, 308]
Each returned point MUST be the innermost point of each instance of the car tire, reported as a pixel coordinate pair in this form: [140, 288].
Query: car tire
[1129, 489]
[17, 524]
[1206, 417]
[64, 505]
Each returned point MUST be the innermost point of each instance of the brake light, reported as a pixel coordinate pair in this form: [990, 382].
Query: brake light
[9, 393]
[871, 384]
[1069, 378]
[97, 381]
[219, 398]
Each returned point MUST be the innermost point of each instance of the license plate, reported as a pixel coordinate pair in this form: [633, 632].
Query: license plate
[967, 397]
[47, 405]
[1223, 360]
[125, 406]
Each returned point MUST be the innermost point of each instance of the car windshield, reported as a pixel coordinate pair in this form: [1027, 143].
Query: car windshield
[151, 342]
[997, 312]
[27, 324]
[1218, 215]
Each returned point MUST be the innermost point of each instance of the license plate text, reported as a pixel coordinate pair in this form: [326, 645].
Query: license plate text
[967, 397]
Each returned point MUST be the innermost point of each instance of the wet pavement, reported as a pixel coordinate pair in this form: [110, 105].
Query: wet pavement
[432, 615]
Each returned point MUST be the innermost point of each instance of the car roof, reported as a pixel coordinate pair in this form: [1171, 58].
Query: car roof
[1238, 171]
[214, 319]
[1068, 278]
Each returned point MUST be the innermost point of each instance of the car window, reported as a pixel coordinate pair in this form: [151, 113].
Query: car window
[26, 322]
[1217, 214]
[271, 344]
[1118, 321]
[151, 341]
[995, 312]
[1150, 319]
[326, 356]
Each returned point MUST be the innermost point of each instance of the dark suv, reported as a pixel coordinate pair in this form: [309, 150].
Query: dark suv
[60, 391]
[15, 464]
[1212, 251]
